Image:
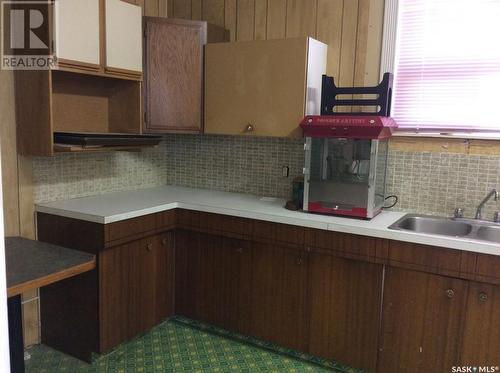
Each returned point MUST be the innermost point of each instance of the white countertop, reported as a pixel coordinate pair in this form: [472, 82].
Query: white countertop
[112, 207]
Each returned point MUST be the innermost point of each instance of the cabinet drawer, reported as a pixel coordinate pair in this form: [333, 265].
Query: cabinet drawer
[127, 229]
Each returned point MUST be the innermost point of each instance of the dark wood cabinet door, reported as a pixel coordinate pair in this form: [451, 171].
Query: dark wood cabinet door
[142, 285]
[345, 300]
[279, 288]
[480, 344]
[114, 296]
[235, 282]
[213, 279]
[421, 322]
[165, 280]
[186, 245]
[173, 76]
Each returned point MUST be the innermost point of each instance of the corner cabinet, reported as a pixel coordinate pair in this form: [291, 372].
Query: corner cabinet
[101, 37]
[96, 85]
[173, 75]
[123, 35]
[262, 88]
[73, 46]
[173, 84]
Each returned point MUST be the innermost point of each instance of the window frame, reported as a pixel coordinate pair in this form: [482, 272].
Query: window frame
[388, 64]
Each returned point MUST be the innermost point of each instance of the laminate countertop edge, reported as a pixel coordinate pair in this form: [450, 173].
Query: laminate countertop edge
[113, 207]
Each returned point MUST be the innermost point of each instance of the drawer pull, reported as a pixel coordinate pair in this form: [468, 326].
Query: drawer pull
[450, 293]
[249, 128]
[164, 241]
[483, 297]
[149, 247]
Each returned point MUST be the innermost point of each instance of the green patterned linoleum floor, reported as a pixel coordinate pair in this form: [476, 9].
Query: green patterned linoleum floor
[181, 345]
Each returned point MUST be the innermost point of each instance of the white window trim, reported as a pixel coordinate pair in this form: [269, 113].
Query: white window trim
[387, 62]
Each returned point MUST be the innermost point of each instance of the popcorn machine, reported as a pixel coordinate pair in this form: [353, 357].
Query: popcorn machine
[346, 152]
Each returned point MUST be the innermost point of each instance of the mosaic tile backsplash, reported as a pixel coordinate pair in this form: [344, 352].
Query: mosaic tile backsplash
[432, 183]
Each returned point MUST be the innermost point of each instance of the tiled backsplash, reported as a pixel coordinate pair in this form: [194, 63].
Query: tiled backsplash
[437, 183]
[433, 183]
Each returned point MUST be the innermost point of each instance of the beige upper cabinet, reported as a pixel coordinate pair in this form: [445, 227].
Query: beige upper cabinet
[263, 88]
[77, 32]
[123, 34]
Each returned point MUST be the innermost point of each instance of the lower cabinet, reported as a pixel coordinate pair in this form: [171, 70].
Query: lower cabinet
[380, 318]
[422, 317]
[279, 295]
[135, 288]
[213, 282]
[345, 300]
[480, 344]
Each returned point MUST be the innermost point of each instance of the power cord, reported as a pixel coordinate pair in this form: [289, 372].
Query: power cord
[393, 204]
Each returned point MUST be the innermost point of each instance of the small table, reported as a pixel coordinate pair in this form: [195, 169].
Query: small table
[30, 265]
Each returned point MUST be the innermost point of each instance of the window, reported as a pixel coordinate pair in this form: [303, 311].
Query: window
[447, 65]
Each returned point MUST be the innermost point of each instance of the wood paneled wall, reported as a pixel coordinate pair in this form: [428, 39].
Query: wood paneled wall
[351, 28]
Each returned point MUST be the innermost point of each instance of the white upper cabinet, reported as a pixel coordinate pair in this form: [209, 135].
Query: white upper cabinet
[77, 31]
[123, 36]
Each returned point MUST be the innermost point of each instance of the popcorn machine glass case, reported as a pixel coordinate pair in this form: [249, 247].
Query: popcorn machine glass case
[346, 158]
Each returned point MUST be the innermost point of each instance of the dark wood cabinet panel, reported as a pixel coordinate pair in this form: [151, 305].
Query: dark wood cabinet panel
[279, 295]
[345, 299]
[135, 287]
[164, 279]
[173, 78]
[236, 270]
[421, 322]
[480, 345]
[213, 279]
[114, 295]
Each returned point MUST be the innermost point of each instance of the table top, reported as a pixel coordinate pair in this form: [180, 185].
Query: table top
[32, 264]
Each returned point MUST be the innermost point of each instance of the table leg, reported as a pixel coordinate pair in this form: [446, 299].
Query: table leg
[16, 342]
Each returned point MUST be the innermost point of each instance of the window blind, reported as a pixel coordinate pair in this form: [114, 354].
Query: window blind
[447, 73]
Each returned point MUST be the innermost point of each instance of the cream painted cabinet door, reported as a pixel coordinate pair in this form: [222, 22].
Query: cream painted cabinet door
[123, 36]
[77, 32]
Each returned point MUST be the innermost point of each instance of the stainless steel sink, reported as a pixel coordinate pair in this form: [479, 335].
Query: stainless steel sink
[432, 225]
[489, 233]
[454, 227]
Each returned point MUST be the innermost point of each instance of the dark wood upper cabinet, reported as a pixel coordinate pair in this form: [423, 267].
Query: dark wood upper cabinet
[422, 316]
[173, 80]
[345, 296]
[174, 74]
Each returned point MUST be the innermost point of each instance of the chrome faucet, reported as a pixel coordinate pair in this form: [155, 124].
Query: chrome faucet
[494, 194]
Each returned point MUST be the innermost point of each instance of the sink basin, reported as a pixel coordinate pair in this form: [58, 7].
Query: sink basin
[467, 228]
[433, 225]
[489, 234]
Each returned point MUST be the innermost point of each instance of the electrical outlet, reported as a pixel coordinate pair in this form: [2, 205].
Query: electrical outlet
[285, 171]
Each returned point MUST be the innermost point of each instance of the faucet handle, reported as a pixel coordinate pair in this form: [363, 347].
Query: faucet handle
[459, 212]
[496, 217]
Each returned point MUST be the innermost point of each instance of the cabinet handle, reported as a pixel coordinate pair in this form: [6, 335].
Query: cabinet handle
[450, 293]
[249, 128]
[164, 241]
[299, 260]
[149, 247]
[483, 297]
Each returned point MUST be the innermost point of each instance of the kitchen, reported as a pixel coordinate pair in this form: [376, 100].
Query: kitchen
[185, 226]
